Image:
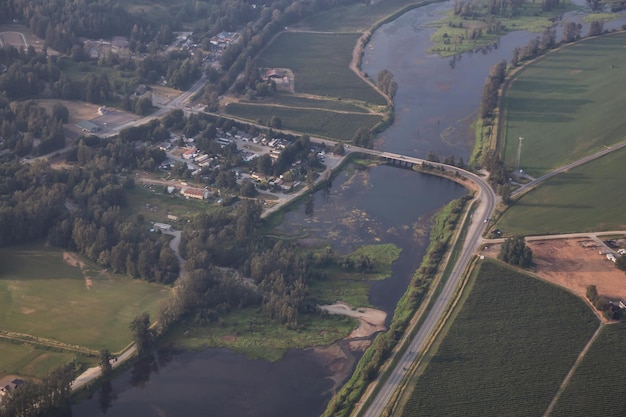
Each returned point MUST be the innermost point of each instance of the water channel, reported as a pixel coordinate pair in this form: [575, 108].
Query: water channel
[436, 101]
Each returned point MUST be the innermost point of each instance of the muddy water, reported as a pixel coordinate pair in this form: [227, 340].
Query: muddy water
[436, 101]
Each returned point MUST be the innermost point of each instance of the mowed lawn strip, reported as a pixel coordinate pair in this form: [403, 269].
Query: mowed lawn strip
[311, 103]
[43, 296]
[507, 351]
[324, 123]
[320, 63]
[598, 387]
[586, 198]
[567, 105]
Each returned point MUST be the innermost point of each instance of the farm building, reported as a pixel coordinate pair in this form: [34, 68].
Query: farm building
[86, 126]
[195, 193]
[162, 226]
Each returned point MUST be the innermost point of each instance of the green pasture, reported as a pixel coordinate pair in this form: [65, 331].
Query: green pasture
[323, 123]
[26, 360]
[506, 352]
[250, 333]
[598, 387]
[320, 62]
[586, 198]
[357, 16]
[311, 103]
[43, 296]
[566, 105]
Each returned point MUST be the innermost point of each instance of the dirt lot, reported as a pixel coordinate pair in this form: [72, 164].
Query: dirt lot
[80, 110]
[566, 262]
[12, 35]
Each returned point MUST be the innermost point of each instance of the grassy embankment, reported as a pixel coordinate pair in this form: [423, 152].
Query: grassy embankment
[566, 105]
[250, 333]
[442, 231]
[454, 33]
[598, 387]
[65, 309]
[507, 350]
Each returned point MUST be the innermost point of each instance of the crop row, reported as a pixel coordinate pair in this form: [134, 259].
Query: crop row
[598, 387]
[507, 351]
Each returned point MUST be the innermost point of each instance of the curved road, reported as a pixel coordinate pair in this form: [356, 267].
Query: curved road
[487, 201]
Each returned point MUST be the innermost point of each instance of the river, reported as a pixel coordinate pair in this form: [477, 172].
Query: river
[436, 101]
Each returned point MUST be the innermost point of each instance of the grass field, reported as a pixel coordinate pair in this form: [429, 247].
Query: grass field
[585, 198]
[43, 296]
[28, 361]
[324, 123]
[598, 387]
[566, 105]
[507, 351]
[156, 206]
[248, 332]
[320, 62]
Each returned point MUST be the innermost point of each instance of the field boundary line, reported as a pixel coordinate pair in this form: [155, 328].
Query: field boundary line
[46, 343]
[569, 375]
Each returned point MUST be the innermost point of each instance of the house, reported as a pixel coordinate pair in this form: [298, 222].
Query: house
[196, 193]
[611, 257]
[162, 226]
[11, 386]
[86, 126]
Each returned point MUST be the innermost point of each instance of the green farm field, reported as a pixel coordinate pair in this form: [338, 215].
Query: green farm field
[29, 361]
[357, 16]
[49, 294]
[598, 387]
[566, 105]
[320, 63]
[507, 350]
[324, 123]
[580, 200]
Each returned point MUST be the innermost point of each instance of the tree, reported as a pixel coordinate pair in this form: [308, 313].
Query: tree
[60, 112]
[105, 362]
[515, 252]
[596, 28]
[620, 263]
[276, 123]
[142, 335]
[571, 31]
[339, 149]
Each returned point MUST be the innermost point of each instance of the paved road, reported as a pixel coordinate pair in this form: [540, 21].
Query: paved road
[527, 187]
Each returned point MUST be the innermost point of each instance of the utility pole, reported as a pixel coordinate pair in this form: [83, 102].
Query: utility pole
[519, 154]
